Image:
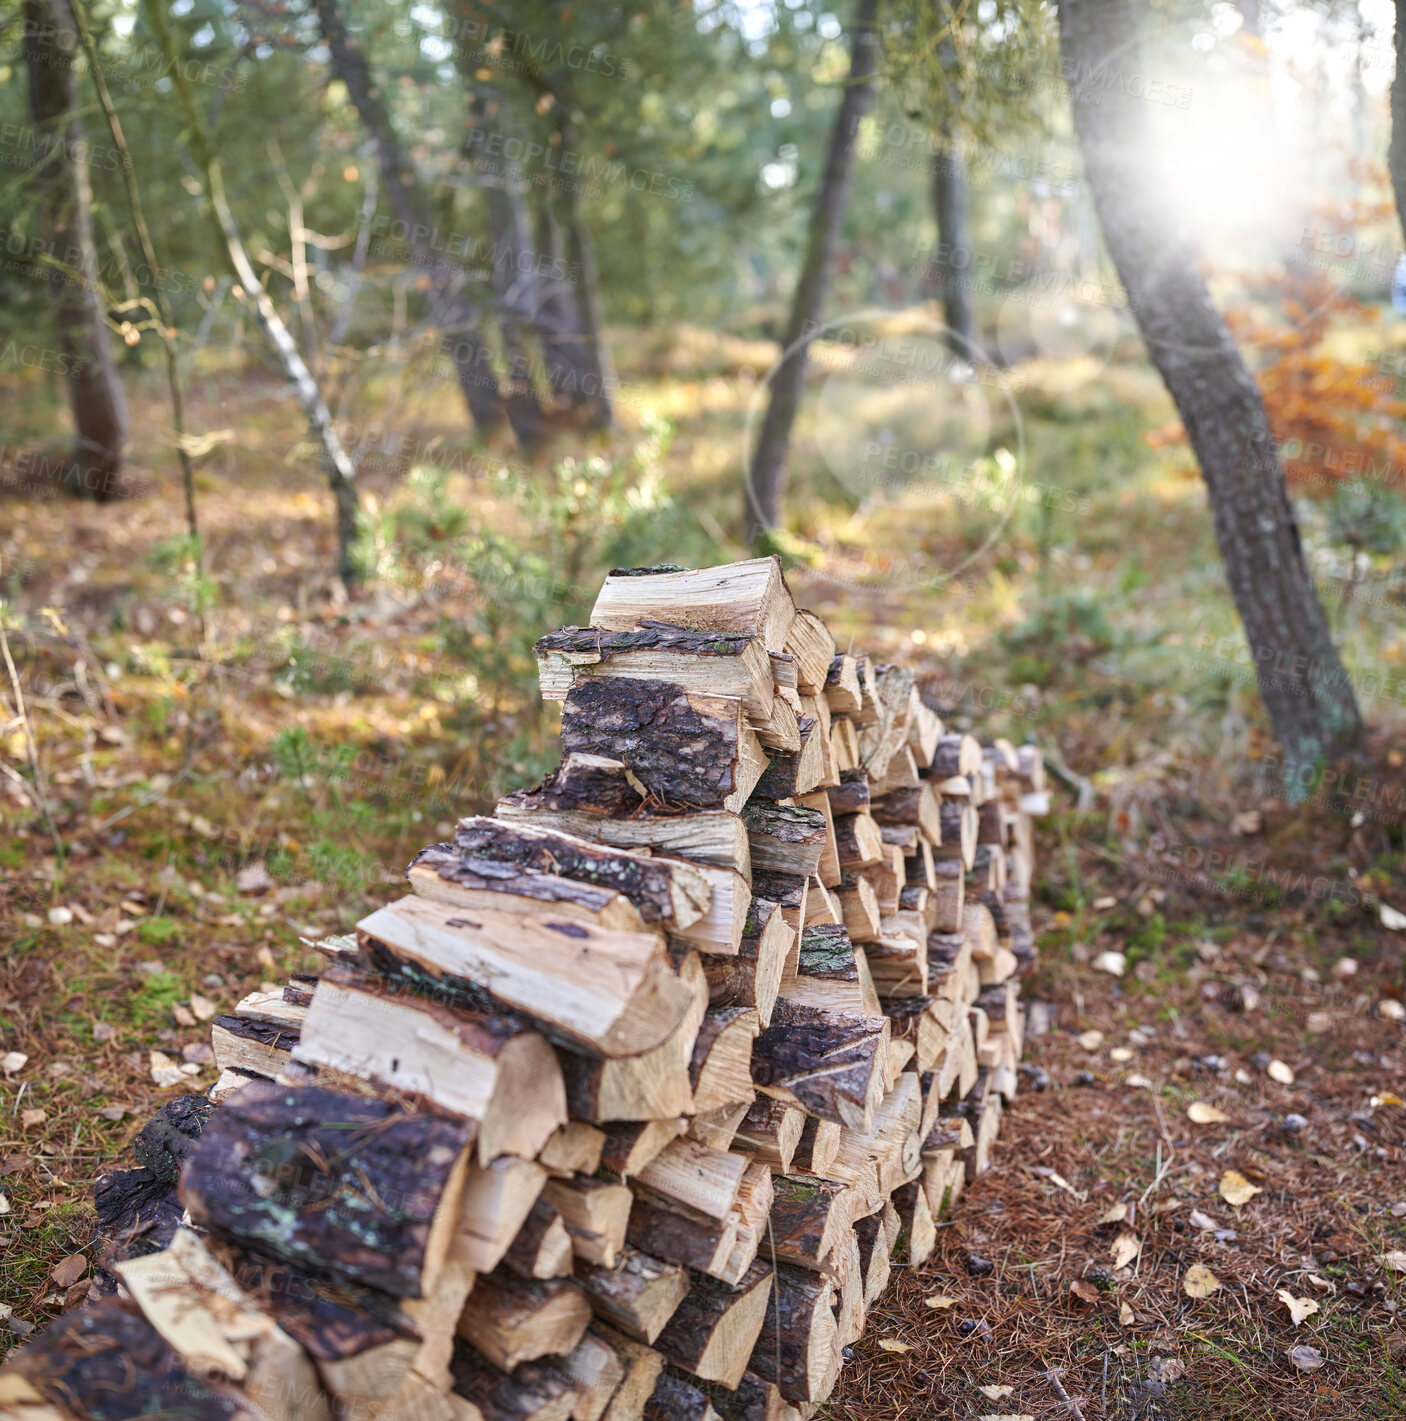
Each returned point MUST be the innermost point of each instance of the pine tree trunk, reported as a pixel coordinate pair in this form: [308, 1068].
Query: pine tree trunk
[766, 481]
[1302, 680]
[949, 199]
[65, 203]
[1396, 153]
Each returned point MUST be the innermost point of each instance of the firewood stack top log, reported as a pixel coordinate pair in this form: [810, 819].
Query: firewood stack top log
[631, 1104]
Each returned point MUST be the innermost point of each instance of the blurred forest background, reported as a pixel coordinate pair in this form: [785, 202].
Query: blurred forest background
[399, 323]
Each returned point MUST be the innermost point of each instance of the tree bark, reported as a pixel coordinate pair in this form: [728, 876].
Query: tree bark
[766, 480]
[461, 339]
[1396, 152]
[949, 200]
[1302, 680]
[65, 214]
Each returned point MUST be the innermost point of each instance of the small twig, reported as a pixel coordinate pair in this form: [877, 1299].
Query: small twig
[1053, 1377]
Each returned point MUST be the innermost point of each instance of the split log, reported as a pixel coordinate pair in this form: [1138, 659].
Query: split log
[851, 795]
[885, 737]
[979, 928]
[574, 1149]
[949, 895]
[992, 825]
[542, 1246]
[832, 974]
[717, 663]
[704, 1245]
[780, 732]
[598, 1371]
[638, 1295]
[629, 1147]
[919, 1230]
[999, 967]
[720, 929]
[476, 866]
[860, 907]
[596, 1215]
[798, 1348]
[684, 750]
[815, 1153]
[849, 1300]
[898, 963]
[844, 743]
[959, 821]
[254, 1046]
[343, 1185]
[842, 689]
[915, 1020]
[513, 1320]
[490, 1068]
[815, 707]
[753, 977]
[653, 1085]
[535, 1392]
[794, 772]
[811, 643]
[744, 598]
[700, 1179]
[889, 876]
[789, 890]
[497, 1201]
[902, 773]
[921, 806]
[677, 1399]
[642, 1368]
[821, 906]
[956, 754]
[924, 729]
[829, 1065]
[754, 1196]
[590, 797]
[284, 1006]
[809, 1220]
[771, 1129]
[874, 1266]
[784, 838]
[858, 841]
[714, 1329]
[718, 1128]
[613, 993]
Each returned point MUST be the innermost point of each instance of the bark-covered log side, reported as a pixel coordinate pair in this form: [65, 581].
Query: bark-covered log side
[648, 636]
[681, 748]
[169, 1136]
[107, 1363]
[780, 778]
[1301, 677]
[826, 951]
[803, 1225]
[339, 1184]
[787, 889]
[822, 1058]
[851, 794]
[276, 1038]
[786, 1350]
[675, 1398]
[532, 1389]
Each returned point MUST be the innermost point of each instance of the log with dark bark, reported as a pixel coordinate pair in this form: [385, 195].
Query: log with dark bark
[720, 1070]
[675, 1398]
[798, 1348]
[535, 1392]
[829, 1065]
[784, 838]
[489, 1067]
[790, 773]
[629, 1147]
[959, 820]
[598, 1371]
[685, 749]
[542, 1246]
[515, 1320]
[715, 1327]
[858, 841]
[489, 857]
[244, 1045]
[919, 806]
[642, 1367]
[753, 977]
[956, 754]
[638, 1295]
[703, 1245]
[851, 794]
[816, 1150]
[809, 1217]
[345, 1186]
[714, 663]
[1301, 677]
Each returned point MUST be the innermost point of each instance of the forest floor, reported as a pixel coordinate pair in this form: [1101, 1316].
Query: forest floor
[237, 761]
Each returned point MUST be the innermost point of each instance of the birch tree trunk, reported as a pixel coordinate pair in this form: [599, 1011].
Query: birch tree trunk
[949, 200]
[766, 480]
[65, 214]
[1302, 680]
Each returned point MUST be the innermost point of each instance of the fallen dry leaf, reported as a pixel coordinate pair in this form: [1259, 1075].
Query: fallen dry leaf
[940, 1300]
[1090, 1040]
[183, 1015]
[164, 1071]
[996, 1393]
[1126, 1316]
[1084, 1290]
[1140, 1081]
[1391, 918]
[1395, 1260]
[1200, 1113]
[1114, 963]
[67, 1271]
[1299, 1308]
[1126, 1247]
[1236, 1190]
[1199, 1282]
[1117, 1214]
[203, 1007]
[13, 1061]
[1306, 1359]
[892, 1344]
[1198, 1220]
[1278, 1071]
[1322, 1284]
[30, 1118]
[1391, 1009]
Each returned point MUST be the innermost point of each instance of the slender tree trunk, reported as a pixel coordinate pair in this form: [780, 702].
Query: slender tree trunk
[462, 340]
[1302, 680]
[341, 473]
[515, 281]
[65, 213]
[558, 319]
[949, 200]
[766, 480]
[1396, 152]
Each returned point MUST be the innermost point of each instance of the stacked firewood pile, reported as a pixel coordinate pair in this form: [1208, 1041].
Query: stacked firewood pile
[629, 1108]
